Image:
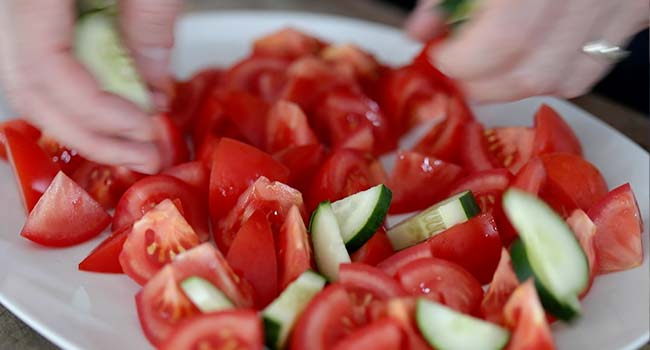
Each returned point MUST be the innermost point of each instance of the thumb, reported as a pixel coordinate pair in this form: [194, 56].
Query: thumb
[148, 29]
[426, 21]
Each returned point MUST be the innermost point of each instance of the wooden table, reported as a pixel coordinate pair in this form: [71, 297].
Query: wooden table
[14, 334]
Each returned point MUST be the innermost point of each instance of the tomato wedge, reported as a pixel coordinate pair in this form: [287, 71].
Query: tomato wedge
[585, 231]
[263, 77]
[151, 190]
[106, 256]
[248, 113]
[531, 177]
[552, 134]
[364, 279]
[375, 250]
[476, 155]
[503, 283]
[32, 167]
[402, 310]
[303, 163]
[193, 173]
[325, 320]
[419, 181]
[286, 43]
[383, 334]
[474, 245]
[349, 59]
[442, 281]
[171, 142]
[402, 258]
[252, 256]
[619, 228]
[245, 164]
[65, 215]
[154, 240]
[23, 127]
[188, 96]
[286, 127]
[67, 159]
[524, 316]
[237, 329]
[294, 251]
[161, 303]
[511, 146]
[105, 183]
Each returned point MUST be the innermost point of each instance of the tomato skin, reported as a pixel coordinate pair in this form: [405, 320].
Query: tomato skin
[189, 94]
[151, 190]
[503, 283]
[474, 245]
[192, 173]
[402, 258]
[366, 279]
[531, 177]
[321, 325]
[574, 176]
[245, 164]
[105, 257]
[552, 134]
[442, 281]
[585, 232]
[65, 215]
[286, 127]
[303, 163]
[170, 142]
[419, 181]
[31, 165]
[243, 330]
[294, 251]
[524, 316]
[375, 250]
[248, 113]
[263, 77]
[154, 240]
[252, 256]
[476, 156]
[619, 228]
[383, 334]
[105, 183]
[27, 130]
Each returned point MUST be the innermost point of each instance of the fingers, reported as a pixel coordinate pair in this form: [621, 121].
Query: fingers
[148, 28]
[498, 34]
[425, 22]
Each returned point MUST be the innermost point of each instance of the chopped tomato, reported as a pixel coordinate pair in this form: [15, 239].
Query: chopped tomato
[585, 231]
[193, 173]
[345, 172]
[294, 252]
[363, 279]
[286, 126]
[65, 215]
[189, 94]
[303, 163]
[273, 199]
[402, 258]
[349, 59]
[252, 256]
[205, 151]
[442, 281]
[325, 321]
[383, 334]
[575, 177]
[524, 316]
[105, 183]
[619, 228]
[68, 159]
[248, 113]
[287, 43]
[476, 155]
[171, 142]
[552, 134]
[511, 146]
[106, 256]
[151, 190]
[245, 164]
[236, 329]
[375, 250]
[155, 240]
[532, 177]
[263, 77]
[32, 167]
[402, 310]
[161, 303]
[419, 181]
[212, 122]
[474, 245]
[27, 130]
[503, 283]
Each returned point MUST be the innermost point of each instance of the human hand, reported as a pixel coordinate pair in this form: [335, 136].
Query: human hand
[512, 49]
[45, 83]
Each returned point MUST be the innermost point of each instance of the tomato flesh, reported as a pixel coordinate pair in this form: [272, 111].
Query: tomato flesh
[286, 43]
[511, 146]
[303, 163]
[585, 231]
[192, 173]
[552, 134]
[106, 256]
[402, 258]
[384, 334]
[375, 250]
[294, 251]
[170, 141]
[524, 316]
[365, 279]
[476, 156]
[106, 184]
[23, 127]
[287, 127]
[503, 283]
[65, 215]
[531, 177]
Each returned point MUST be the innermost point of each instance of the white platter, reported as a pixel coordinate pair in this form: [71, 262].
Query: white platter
[77, 310]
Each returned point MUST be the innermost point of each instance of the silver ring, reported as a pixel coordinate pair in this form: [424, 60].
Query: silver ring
[603, 49]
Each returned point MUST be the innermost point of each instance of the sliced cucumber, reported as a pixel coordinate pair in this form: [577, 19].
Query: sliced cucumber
[447, 329]
[437, 218]
[329, 248]
[457, 11]
[361, 214]
[99, 47]
[280, 316]
[547, 251]
[204, 295]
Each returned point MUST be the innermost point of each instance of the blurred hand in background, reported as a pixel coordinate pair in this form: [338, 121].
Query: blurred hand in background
[50, 88]
[512, 49]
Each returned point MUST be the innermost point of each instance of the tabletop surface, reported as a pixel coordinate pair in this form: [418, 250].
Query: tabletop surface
[14, 334]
